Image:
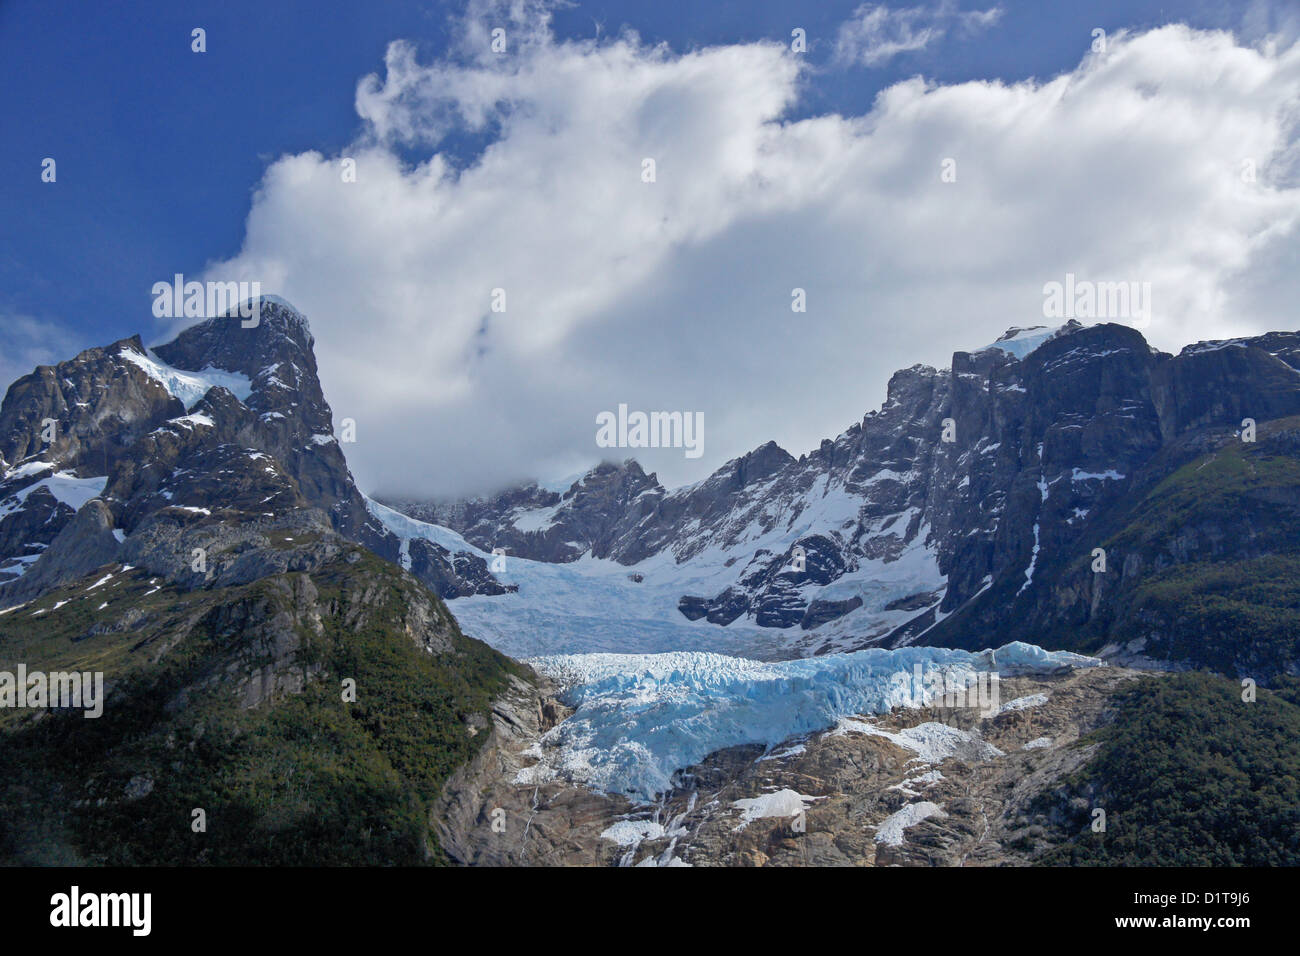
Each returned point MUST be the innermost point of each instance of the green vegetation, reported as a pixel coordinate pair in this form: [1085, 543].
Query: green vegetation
[1235, 617]
[1220, 543]
[299, 778]
[1245, 489]
[1189, 774]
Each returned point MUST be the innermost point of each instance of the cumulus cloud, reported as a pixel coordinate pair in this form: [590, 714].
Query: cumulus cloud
[676, 294]
[875, 33]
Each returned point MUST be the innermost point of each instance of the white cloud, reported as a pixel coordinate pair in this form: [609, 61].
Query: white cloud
[675, 295]
[875, 33]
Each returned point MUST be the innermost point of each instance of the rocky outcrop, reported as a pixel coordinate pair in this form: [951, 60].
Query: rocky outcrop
[83, 544]
[823, 612]
[485, 819]
[94, 407]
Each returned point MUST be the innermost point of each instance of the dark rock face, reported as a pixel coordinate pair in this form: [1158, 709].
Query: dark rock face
[27, 531]
[175, 480]
[94, 408]
[723, 609]
[452, 575]
[84, 543]
[100, 405]
[693, 608]
[293, 422]
[823, 612]
[728, 606]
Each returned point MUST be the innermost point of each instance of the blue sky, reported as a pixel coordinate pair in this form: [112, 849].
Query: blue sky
[160, 150]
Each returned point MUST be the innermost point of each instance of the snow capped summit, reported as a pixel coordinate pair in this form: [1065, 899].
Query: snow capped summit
[281, 335]
[272, 299]
[1019, 342]
[281, 313]
[152, 430]
[271, 305]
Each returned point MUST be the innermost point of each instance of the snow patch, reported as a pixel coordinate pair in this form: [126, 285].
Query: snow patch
[632, 832]
[788, 752]
[891, 830]
[1022, 703]
[1108, 475]
[63, 485]
[932, 742]
[190, 421]
[189, 387]
[1020, 342]
[782, 803]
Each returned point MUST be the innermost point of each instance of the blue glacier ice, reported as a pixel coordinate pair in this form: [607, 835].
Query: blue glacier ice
[641, 717]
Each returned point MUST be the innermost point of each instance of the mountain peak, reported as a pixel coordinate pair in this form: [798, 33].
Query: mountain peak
[763, 462]
[1020, 341]
[281, 334]
[281, 314]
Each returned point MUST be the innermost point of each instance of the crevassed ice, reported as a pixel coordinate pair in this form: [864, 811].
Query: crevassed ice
[639, 718]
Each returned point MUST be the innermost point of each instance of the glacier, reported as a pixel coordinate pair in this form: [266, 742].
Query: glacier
[592, 605]
[640, 718]
[695, 688]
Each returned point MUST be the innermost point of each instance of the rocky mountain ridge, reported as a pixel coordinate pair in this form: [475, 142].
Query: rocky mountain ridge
[143, 456]
[969, 491]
